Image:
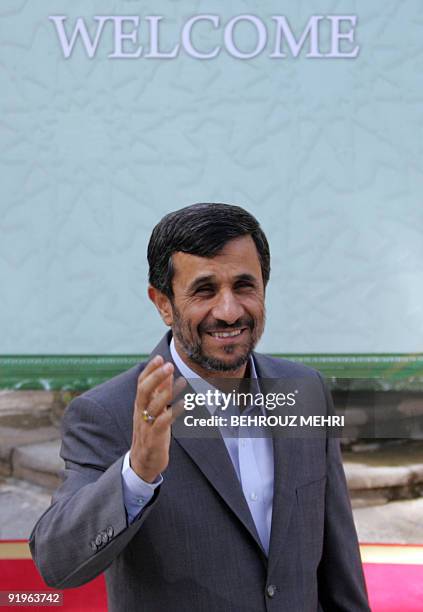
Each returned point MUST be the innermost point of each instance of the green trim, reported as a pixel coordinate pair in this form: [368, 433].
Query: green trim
[378, 372]
[67, 372]
[381, 372]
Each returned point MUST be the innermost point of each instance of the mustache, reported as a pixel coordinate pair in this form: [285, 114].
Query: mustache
[249, 322]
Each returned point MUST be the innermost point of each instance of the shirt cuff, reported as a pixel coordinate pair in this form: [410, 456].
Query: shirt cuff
[136, 492]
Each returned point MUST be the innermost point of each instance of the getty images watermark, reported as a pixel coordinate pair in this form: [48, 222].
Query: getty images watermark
[255, 408]
[214, 399]
[295, 407]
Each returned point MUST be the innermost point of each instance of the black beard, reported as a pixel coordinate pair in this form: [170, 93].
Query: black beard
[211, 363]
[194, 351]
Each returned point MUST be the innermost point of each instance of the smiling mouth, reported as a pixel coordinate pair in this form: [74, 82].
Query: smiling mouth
[227, 334]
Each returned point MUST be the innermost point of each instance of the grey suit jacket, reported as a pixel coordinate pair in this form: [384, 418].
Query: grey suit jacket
[195, 546]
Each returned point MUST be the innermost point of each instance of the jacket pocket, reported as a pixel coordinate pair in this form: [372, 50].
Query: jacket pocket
[310, 499]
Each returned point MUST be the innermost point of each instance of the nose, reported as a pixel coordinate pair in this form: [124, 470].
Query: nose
[227, 307]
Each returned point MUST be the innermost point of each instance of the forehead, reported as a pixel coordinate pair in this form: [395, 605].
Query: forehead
[238, 256]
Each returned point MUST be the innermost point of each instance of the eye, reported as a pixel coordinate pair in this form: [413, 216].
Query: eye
[204, 290]
[244, 284]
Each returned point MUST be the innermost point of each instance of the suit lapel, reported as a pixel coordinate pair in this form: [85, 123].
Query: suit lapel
[212, 458]
[286, 466]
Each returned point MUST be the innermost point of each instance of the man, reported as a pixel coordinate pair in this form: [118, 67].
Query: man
[202, 523]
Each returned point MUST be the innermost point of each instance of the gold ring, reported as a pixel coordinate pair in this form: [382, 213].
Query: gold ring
[148, 418]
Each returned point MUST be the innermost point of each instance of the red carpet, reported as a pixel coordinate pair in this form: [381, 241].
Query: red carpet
[18, 573]
[394, 576]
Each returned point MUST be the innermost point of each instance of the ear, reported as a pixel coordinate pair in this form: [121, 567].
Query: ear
[162, 303]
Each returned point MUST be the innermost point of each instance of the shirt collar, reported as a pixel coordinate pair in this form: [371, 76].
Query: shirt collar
[196, 382]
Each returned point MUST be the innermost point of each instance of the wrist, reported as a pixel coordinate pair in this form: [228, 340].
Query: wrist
[143, 473]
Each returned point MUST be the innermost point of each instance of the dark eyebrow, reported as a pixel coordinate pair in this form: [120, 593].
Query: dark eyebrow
[246, 277]
[209, 278]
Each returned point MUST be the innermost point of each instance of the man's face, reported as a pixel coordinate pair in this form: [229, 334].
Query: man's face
[218, 307]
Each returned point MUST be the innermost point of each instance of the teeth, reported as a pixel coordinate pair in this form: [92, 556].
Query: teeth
[226, 334]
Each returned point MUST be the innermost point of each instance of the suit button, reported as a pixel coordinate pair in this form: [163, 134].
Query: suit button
[93, 545]
[271, 590]
[104, 537]
[110, 531]
[98, 540]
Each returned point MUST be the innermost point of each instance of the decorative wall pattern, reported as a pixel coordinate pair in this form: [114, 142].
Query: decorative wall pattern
[327, 153]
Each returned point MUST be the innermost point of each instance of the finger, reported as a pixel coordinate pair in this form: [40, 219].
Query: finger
[163, 385]
[150, 384]
[178, 387]
[161, 399]
[169, 416]
[165, 395]
[176, 410]
[164, 391]
[150, 367]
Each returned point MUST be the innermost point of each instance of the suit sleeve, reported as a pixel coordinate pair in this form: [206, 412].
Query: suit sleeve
[86, 526]
[341, 581]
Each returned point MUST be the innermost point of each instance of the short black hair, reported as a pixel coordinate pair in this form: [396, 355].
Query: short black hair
[201, 229]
